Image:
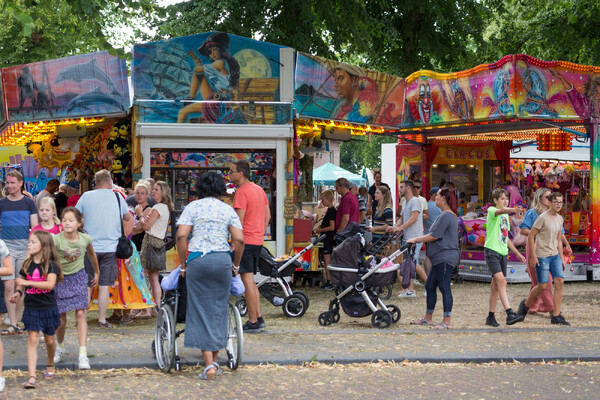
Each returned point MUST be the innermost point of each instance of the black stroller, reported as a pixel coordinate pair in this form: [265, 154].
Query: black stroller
[279, 293]
[350, 269]
[172, 311]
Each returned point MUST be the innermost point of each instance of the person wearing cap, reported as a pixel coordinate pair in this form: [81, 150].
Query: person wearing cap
[357, 92]
[72, 193]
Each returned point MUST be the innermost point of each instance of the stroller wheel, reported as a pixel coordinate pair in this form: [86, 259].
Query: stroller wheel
[153, 348]
[303, 295]
[384, 292]
[325, 318]
[240, 304]
[294, 306]
[381, 319]
[395, 311]
[335, 314]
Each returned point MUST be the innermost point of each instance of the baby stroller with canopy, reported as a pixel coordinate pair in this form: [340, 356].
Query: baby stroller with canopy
[172, 311]
[279, 293]
[358, 281]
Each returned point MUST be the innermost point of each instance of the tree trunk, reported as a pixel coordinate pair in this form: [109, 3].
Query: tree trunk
[305, 189]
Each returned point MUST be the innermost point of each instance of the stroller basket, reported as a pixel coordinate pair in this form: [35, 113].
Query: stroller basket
[268, 266]
[355, 305]
[349, 276]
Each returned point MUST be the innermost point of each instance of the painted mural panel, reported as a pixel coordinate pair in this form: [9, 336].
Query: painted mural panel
[174, 158]
[556, 89]
[332, 90]
[486, 94]
[200, 78]
[85, 85]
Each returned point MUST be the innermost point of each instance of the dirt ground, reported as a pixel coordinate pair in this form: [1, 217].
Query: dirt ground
[319, 381]
[581, 300]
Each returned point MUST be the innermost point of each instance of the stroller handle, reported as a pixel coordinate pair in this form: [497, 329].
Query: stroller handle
[406, 247]
[319, 239]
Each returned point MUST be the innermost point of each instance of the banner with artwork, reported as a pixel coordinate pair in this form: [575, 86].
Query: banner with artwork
[333, 90]
[174, 158]
[211, 77]
[517, 86]
[85, 85]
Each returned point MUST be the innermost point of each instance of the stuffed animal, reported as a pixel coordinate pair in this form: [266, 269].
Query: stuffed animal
[538, 169]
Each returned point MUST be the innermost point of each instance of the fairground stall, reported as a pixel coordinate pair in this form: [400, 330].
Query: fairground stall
[467, 122]
[65, 117]
[203, 102]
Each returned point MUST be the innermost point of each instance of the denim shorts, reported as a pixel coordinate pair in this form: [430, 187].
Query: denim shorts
[552, 264]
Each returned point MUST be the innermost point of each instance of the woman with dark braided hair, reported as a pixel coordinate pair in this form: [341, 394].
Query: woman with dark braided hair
[216, 81]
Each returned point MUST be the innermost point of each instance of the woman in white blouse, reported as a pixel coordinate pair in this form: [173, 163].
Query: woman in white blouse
[155, 222]
[208, 268]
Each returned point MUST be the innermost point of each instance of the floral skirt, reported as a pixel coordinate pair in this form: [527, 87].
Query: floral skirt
[72, 292]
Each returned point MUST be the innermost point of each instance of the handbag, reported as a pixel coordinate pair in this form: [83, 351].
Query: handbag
[124, 246]
[408, 268]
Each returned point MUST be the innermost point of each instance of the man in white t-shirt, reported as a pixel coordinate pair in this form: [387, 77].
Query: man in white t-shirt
[417, 193]
[411, 224]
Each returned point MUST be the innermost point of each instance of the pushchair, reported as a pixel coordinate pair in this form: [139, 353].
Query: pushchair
[349, 269]
[172, 311]
[279, 293]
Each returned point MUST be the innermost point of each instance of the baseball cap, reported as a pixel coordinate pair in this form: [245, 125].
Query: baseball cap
[353, 185]
[73, 184]
[434, 190]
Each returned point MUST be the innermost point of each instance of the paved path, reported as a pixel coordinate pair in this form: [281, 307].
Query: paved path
[128, 348]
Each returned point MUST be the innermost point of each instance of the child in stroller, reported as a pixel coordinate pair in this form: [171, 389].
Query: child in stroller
[357, 281]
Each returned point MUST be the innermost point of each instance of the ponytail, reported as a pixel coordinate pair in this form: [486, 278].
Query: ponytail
[450, 198]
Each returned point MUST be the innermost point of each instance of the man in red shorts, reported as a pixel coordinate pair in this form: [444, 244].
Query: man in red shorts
[250, 203]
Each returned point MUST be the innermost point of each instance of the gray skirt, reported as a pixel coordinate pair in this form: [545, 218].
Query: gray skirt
[208, 282]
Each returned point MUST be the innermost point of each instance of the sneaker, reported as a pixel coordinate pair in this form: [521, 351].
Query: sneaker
[328, 286]
[6, 320]
[512, 318]
[278, 301]
[417, 283]
[2, 383]
[261, 323]
[425, 293]
[249, 327]
[491, 321]
[84, 362]
[59, 353]
[522, 309]
[559, 320]
[408, 293]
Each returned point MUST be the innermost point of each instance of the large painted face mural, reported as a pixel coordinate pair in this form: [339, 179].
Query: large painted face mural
[86, 85]
[333, 90]
[175, 80]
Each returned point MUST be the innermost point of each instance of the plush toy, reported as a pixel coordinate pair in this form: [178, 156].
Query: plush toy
[538, 169]
[528, 174]
[550, 176]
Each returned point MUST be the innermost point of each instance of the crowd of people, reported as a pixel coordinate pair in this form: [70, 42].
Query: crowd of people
[59, 254]
[435, 223]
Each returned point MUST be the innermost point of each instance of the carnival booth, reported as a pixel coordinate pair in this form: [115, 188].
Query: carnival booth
[203, 102]
[459, 128]
[64, 116]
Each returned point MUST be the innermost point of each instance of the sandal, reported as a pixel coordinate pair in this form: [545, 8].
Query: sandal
[49, 374]
[218, 367]
[441, 325]
[420, 322]
[104, 325]
[142, 316]
[113, 318]
[11, 330]
[205, 375]
[126, 319]
[30, 384]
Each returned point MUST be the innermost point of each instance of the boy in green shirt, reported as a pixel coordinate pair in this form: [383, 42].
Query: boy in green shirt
[495, 251]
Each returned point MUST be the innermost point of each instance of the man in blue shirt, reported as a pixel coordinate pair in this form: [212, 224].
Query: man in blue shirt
[103, 213]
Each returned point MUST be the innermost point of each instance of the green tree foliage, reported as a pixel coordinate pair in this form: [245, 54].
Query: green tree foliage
[566, 30]
[35, 30]
[359, 153]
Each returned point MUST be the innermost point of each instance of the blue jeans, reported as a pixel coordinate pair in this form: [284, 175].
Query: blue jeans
[552, 264]
[439, 276]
